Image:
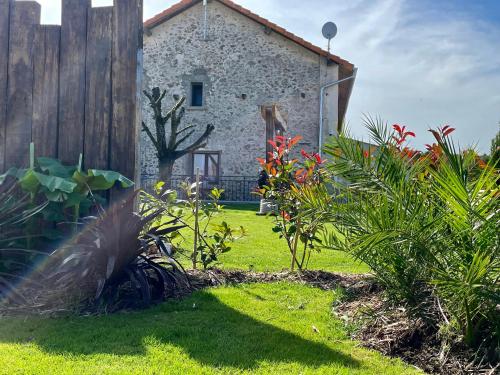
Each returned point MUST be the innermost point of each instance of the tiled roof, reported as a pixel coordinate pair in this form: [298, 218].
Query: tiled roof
[185, 4]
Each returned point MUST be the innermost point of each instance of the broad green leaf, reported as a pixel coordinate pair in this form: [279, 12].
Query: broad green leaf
[30, 182]
[54, 183]
[54, 167]
[104, 180]
[74, 199]
[56, 196]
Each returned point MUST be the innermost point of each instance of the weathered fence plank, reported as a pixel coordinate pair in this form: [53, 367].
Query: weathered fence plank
[98, 88]
[4, 68]
[23, 19]
[126, 66]
[73, 88]
[46, 90]
[72, 79]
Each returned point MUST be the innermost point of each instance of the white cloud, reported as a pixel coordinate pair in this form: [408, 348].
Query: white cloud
[417, 64]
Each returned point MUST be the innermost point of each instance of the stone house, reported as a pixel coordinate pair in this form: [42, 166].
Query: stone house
[247, 76]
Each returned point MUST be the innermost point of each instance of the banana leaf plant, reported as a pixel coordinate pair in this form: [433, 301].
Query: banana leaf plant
[67, 189]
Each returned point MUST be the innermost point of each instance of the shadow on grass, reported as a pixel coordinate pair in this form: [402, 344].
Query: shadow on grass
[207, 330]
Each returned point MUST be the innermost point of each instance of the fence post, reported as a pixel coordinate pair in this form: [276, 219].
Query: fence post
[72, 79]
[24, 18]
[5, 6]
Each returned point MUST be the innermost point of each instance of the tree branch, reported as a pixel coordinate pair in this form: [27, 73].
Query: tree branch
[184, 138]
[200, 142]
[150, 135]
[186, 128]
[177, 105]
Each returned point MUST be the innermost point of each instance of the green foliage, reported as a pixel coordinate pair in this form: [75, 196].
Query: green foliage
[288, 180]
[427, 225]
[211, 239]
[68, 191]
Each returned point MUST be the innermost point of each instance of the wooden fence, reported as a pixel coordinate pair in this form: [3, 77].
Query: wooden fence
[71, 89]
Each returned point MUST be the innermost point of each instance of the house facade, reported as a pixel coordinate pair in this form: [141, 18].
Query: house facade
[248, 77]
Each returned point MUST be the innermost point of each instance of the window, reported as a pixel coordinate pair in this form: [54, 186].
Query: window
[196, 94]
[209, 165]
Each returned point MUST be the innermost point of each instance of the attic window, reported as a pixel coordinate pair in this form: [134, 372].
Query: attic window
[197, 94]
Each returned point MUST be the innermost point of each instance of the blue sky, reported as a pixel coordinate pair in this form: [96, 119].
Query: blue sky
[421, 63]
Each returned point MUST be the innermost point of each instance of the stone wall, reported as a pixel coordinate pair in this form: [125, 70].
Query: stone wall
[243, 67]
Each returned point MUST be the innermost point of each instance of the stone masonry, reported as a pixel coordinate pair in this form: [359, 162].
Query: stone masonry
[243, 66]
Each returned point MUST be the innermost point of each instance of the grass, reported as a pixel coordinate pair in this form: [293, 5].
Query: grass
[277, 328]
[260, 329]
[262, 250]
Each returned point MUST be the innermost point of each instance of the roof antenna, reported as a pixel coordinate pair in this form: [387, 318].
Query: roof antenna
[205, 19]
[329, 32]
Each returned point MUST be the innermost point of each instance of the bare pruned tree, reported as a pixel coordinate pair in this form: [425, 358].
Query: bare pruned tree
[168, 144]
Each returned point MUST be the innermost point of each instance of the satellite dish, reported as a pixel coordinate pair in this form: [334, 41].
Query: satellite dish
[329, 32]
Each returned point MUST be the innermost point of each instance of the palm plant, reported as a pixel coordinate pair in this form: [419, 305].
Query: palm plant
[425, 223]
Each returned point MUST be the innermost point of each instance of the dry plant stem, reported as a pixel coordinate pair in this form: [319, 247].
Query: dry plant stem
[196, 223]
[295, 243]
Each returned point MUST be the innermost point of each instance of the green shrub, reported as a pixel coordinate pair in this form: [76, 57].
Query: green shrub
[426, 223]
[288, 180]
[68, 193]
[210, 239]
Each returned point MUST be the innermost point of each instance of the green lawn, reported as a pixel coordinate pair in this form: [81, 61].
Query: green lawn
[263, 250]
[269, 329]
[277, 328]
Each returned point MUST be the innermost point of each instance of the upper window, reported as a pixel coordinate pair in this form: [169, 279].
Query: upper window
[196, 94]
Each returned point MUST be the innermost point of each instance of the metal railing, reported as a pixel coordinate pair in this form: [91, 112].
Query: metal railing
[236, 188]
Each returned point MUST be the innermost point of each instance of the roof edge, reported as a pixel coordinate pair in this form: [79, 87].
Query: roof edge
[185, 4]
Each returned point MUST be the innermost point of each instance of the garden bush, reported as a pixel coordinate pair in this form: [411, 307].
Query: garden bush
[210, 240]
[425, 222]
[285, 179]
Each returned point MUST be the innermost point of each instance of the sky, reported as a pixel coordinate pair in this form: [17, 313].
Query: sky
[421, 63]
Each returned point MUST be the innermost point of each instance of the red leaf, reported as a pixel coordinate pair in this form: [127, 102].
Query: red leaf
[280, 138]
[435, 134]
[366, 154]
[410, 134]
[448, 131]
[397, 128]
[305, 154]
[318, 159]
[272, 143]
[294, 141]
[261, 161]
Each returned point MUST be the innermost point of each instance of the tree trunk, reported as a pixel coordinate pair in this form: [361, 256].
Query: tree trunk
[166, 170]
